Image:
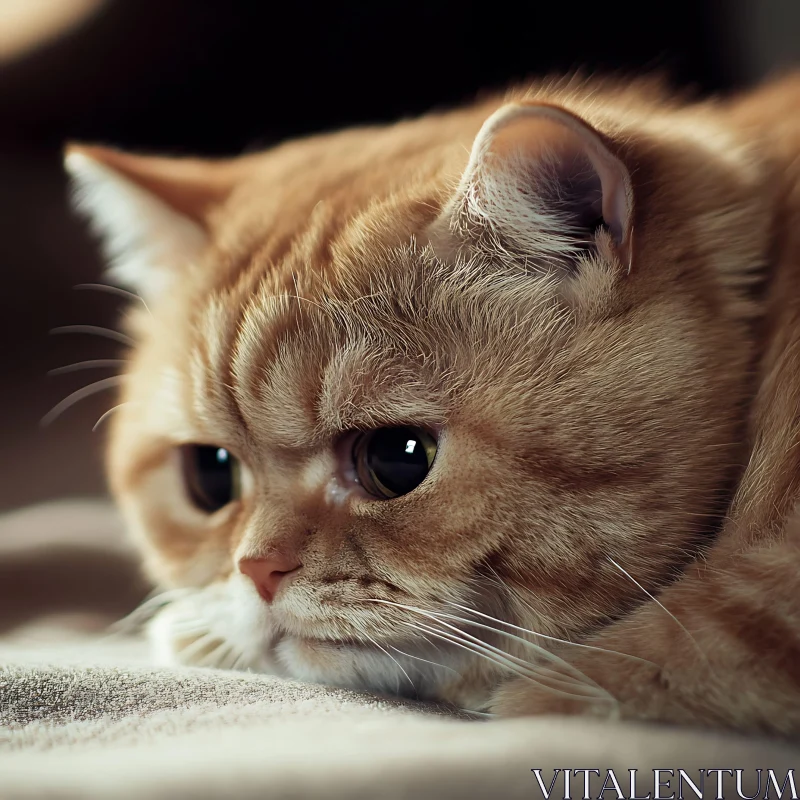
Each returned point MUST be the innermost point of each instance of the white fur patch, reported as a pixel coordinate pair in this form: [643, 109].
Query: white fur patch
[145, 241]
[224, 625]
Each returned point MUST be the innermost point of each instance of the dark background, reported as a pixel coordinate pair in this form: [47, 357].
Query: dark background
[187, 76]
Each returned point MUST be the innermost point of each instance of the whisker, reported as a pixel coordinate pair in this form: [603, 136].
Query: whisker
[482, 714]
[97, 363]
[664, 609]
[147, 609]
[584, 681]
[436, 647]
[552, 638]
[107, 414]
[77, 396]
[465, 645]
[497, 661]
[386, 652]
[105, 287]
[424, 660]
[437, 616]
[96, 330]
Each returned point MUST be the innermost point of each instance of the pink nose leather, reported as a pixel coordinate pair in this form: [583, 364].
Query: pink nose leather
[267, 573]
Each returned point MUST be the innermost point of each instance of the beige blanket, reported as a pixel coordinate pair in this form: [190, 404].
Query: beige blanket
[82, 715]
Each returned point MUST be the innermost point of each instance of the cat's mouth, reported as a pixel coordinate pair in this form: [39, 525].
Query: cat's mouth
[217, 627]
[207, 634]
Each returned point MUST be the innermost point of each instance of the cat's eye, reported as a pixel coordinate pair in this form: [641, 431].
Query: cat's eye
[393, 461]
[212, 476]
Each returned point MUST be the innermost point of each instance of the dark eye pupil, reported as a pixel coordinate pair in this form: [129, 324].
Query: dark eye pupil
[210, 476]
[393, 461]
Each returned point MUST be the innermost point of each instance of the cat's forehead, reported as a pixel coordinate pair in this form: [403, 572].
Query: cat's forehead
[313, 253]
[298, 356]
[289, 358]
[293, 205]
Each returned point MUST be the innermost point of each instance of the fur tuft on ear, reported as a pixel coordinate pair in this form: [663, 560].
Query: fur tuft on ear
[546, 183]
[148, 220]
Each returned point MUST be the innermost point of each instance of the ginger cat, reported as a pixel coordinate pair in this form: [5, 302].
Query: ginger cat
[500, 406]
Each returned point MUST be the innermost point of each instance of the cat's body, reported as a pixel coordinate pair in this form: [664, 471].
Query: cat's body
[590, 323]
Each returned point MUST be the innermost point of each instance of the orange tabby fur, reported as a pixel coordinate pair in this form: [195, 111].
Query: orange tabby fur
[619, 426]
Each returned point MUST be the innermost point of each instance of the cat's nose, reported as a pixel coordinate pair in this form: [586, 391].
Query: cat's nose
[268, 573]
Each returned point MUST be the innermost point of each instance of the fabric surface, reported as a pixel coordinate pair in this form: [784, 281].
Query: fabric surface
[82, 715]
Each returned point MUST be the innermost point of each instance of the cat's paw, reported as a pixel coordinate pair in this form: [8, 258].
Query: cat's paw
[202, 629]
[606, 684]
[520, 697]
[179, 636]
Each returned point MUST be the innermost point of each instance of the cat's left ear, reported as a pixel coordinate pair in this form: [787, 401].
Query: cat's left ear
[547, 185]
[150, 213]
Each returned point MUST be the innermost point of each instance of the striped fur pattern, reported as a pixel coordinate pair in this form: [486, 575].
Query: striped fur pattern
[608, 527]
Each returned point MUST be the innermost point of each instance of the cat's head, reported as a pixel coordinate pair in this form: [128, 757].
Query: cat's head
[393, 379]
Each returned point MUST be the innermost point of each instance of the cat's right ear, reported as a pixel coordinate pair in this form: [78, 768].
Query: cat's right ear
[150, 213]
[543, 183]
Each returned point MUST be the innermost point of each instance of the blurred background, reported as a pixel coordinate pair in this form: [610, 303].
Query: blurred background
[196, 77]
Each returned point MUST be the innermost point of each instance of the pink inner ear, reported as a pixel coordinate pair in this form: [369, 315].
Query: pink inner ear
[570, 166]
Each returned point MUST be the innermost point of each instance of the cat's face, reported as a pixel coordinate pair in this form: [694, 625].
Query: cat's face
[369, 405]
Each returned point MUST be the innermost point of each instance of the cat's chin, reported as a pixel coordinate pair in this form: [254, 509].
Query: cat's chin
[400, 670]
[224, 628]
[352, 665]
